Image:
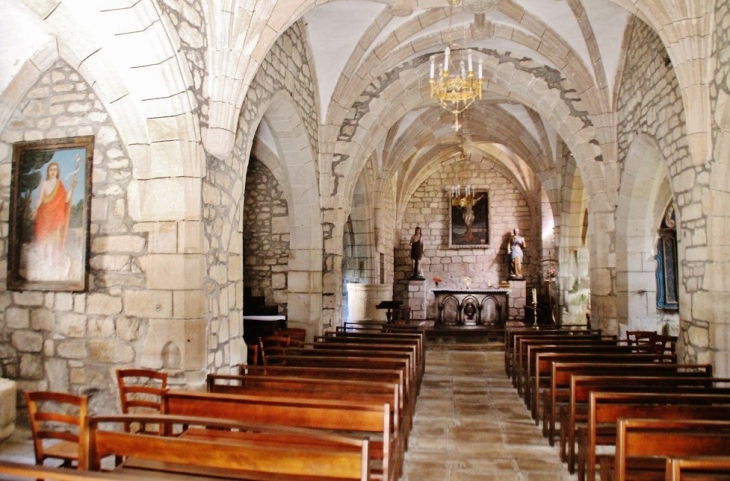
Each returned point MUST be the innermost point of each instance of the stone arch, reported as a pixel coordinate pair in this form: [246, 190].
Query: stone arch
[506, 78]
[690, 46]
[266, 230]
[573, 253]
[643, 198]
[361, 216]
[296, 172]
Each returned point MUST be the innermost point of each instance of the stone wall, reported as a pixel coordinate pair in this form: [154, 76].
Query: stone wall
[265, 236]
[429, 209]
[285, 68]
[694, 333]
[649, 102]
[67, 341]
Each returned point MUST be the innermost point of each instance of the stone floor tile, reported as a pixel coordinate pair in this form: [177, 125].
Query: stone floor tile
[470, 424]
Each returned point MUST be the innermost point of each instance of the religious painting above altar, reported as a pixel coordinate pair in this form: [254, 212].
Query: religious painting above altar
[469, 219]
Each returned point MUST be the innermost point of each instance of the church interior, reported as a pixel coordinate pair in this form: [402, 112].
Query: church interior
[282, 155]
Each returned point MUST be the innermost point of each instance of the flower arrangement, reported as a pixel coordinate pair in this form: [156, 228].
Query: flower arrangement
[436, 280]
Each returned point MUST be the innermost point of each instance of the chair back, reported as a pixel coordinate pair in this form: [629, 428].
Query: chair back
[640, 338]
[57, 417]
[253, 355]
[140, 391]
[298, 334]
[665, 344]
[273, 346]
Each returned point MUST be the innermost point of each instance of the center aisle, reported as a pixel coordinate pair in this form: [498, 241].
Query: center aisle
[471, 425]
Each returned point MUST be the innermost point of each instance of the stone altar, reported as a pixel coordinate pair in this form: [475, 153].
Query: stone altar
[472, 307]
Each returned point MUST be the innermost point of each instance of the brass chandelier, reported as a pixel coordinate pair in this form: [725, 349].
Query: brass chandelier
[455, 87]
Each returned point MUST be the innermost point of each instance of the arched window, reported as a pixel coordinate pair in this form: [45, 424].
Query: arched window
[666, 269]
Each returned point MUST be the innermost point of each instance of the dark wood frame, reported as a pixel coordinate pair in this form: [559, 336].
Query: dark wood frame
[67, 270]
[480, 227]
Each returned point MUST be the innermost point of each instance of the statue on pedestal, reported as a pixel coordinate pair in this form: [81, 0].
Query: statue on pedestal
[416, 253]
[515, 249]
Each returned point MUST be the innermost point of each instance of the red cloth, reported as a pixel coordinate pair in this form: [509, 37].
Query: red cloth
[52, 216]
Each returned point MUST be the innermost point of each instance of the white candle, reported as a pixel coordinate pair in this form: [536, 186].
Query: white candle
[534, 295]
[433, 66]
[446, 59]
[471, 66]
[480, 69]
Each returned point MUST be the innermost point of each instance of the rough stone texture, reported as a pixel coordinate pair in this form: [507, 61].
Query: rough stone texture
[265, 247]
[429, 208]
[650, 102]
[42, 337]
[284, 69]
[188, 19]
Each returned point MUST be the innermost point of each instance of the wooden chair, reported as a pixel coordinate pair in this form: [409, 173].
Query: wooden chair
[56, 416]
[252, 358]
[140, 391]
[640, 338]
[273, 346]
[665, 344]
[298, 335]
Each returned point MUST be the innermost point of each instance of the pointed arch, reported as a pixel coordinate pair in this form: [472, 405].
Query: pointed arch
[643, 198]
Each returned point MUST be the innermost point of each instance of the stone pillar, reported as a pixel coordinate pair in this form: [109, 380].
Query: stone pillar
[517, 300]
[416, 298]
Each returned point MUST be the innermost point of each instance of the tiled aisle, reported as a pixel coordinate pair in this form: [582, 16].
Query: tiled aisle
[471, 425]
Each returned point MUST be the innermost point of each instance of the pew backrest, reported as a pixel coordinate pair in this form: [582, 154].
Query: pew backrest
[253, 448]
[664, 438]
[372, 419]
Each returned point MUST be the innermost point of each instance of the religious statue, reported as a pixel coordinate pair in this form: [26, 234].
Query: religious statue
[416, 252]
[515, 249]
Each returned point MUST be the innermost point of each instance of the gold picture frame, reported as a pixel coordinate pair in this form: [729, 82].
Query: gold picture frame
[49, 215]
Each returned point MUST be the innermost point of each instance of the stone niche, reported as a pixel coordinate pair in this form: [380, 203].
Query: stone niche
[362, 299]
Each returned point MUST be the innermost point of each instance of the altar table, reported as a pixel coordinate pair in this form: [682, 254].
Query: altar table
[472, 307]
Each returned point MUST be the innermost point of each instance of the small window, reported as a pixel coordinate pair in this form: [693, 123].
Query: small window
[667, 265]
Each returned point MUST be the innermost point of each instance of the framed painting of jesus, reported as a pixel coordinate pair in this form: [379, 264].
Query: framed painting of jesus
[49, 215]
[469, 220]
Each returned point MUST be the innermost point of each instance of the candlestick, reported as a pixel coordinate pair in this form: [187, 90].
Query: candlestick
[534, 295]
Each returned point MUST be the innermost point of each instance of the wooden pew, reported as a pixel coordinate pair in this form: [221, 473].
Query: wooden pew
[697, 468]
[370, 419]
[374, 351]
[574, 415]
[319, 385]
[541, 357]
[416, 337]
[414, 341]
[541, 378]
[225, 448]
[612, 394]
[642, 446]
[33, 472]
[397, 376]
[545, 336]
[374, 364]
[317, 388]
[527, 349]
[558, 394]
[512, 338]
